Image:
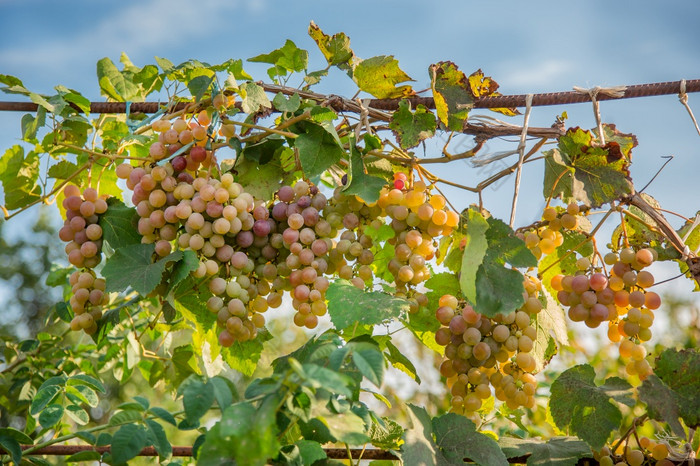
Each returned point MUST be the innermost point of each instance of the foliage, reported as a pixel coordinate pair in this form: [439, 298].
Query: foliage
[259, 195]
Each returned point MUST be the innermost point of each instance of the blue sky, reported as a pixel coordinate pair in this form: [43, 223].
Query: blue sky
[537, 46]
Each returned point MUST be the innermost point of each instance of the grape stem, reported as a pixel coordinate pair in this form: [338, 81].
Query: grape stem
[632, 428]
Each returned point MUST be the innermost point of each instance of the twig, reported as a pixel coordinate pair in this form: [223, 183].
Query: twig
[669, 158]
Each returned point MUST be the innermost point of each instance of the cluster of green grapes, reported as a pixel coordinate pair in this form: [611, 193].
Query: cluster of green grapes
[628, 456]
[253, 250]
[622, 299]
[547, 238]
[82, 232]
[482, 352]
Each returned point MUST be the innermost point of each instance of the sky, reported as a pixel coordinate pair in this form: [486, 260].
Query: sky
[528, 47]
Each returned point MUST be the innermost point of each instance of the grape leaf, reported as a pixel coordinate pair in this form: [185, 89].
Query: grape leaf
[310, 451]
[419, 447]
[484, 86]
[197, 397]
[318, 150]
[661, 403]
[158, 438]
[62, 170]
[19, 177]
[582, 407]
[367, 187]
[254, 98]
[348, 305]
[119, 224]
[474, 251]
[288, 57]
[115, 84]
[680, 371]
[379, 75]
[132, 266]
[499, 289]
[556, 451]
[261, 181]
[336, 48]
[410, 128]
[399, 361]
[457, 438]
[452, 94]
[582, 171]
[244, 356]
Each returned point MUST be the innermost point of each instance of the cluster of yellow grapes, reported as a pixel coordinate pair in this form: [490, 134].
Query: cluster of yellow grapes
[547, 238]
[88, 298]
[482, 352]
[622, 299]
[629, 456]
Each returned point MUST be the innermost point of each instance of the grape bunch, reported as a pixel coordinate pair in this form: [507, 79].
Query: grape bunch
[545, 239]
[82, 232]
[87, 299]
[622, 299]
[418, 218]
[658, 451]
[81, 229]
[482, 352]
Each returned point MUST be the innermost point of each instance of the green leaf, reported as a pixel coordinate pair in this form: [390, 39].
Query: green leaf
[254, 98]
[133, 266]
[399, 361]
[680, 371]
[452, 94]
[262, 152]
[320, 377]
[292, 104]
[419, 447]
[336, 48]
[62, 170]
[50, 415]
[78, 414]
[31, 124]
[244, 356]
[86, 394]
[410, 128]
[20, 436]
[474, 251]
[163, 414]
[346, 427]
[550, 324]
[439, 285]
[661, 403]
[290, 57]
[385, 433]
[43, 397]
[182, 268]
[557, 451]
[367, 187]
[310, 451]
[318, 150]
[586, 172]
[499, 289]
[262, 181]
[19, 177]
[577, 404]
[348, 305]
[13, 447]
[119, 224]
[127, 442]
[197, 397]
[125, 417]
[369, 361]
[223, 391]
[157, 438]
[199, 85]
[457, 438]
[113, 83]
[379, 75]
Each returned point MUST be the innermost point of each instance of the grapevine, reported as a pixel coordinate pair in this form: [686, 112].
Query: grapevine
[297, 237]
